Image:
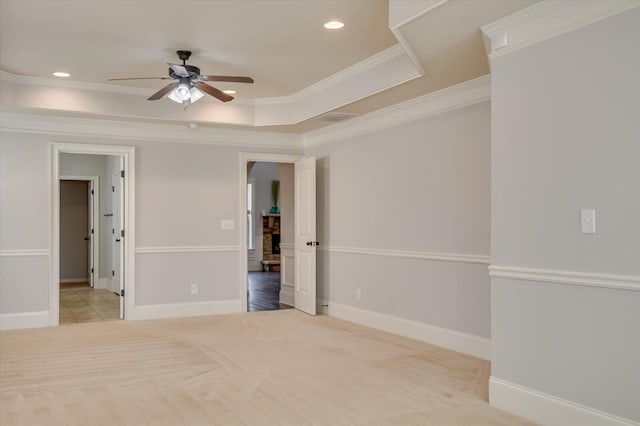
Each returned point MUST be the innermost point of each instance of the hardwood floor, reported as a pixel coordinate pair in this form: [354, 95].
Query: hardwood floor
[84, 304]
[263, 368]
[264, 292]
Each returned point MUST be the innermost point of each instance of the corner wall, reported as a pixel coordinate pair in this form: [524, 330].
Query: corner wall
[565, 305]
[403, 222]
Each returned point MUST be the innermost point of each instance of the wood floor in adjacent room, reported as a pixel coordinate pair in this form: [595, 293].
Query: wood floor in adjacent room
[263, 368]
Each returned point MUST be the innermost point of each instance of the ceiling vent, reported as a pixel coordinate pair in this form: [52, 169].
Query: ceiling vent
[336, 117]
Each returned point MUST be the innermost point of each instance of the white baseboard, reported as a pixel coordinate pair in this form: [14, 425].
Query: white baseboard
[287, 295]
[106, 283]
[455, 340]
[181, 310]
[24, 320]
[546, 409]
[74, 280]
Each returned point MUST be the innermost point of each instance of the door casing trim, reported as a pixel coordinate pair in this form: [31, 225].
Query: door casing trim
[245, 158]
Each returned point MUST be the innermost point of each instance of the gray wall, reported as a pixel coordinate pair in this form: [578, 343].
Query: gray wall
[74, 228]
[94, 165]
[566, 137]
[422, 187]
[183, 191]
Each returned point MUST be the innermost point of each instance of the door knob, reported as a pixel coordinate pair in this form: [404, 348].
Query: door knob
[309, 243]
[313, 243]
[86, 238]
[117, 240]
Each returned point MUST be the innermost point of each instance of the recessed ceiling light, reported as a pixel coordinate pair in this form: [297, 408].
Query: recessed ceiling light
[333, 25]
[61, 74]
[229, 92]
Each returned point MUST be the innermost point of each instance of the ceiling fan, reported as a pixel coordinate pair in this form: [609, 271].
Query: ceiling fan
[190, 83]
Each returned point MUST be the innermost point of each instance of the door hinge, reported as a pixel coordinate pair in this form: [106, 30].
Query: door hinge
[92, 270]
[92, 192]
[92, 231]
[113, 273]
[122, 233]
[113, 189]
[122, 292]
[121, 173]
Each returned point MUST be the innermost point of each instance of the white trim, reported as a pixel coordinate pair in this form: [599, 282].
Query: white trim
[287, 295]
[24, 253]
[186, 249]
[128, 153]
[459, 96]
[182, 310]
[286, 246]
[451, 339]
[444, 257]
[106, 283]
[90, 128]
[546, 20]
[24, 320]
[621, 282]
[244, 158]
[547, 409]
[74, 280]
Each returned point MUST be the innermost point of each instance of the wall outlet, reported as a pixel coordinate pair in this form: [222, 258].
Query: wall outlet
[194, 288]
[227, 224]
[358, 293]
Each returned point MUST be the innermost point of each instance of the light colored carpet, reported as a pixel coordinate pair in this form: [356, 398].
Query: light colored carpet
[264, 368]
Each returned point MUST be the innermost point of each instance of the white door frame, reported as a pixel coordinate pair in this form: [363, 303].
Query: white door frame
[128, 154]
[95, 222]
[247, 157]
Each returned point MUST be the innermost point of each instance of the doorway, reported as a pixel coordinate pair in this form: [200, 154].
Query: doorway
[79, 250]
[297, 252]
[101, 171]
[269, 228]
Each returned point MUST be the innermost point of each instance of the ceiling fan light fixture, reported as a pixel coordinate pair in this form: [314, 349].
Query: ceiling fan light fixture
[180, 93]
[333, 25]
[195, 94]
[229, 92]
[61, 74]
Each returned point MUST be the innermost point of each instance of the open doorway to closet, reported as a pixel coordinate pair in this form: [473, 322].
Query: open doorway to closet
[92, 213]
[269, 235]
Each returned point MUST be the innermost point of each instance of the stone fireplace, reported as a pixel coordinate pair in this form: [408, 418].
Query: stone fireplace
[271, 242]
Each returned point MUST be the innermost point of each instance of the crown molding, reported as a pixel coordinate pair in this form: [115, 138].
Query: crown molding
[383, 70]
[454, 97]
[546, 20]
[149, 132]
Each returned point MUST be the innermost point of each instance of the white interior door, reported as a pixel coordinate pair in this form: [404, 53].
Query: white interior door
[305, 235]
[117, 271]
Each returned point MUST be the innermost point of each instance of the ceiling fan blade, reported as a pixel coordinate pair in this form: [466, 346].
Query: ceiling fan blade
[160, 93]
[216, 93]
[179, 70]
[141, 78]
[229, 78]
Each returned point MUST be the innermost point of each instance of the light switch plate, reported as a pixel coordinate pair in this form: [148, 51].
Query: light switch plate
[588, 221]
[227, 224]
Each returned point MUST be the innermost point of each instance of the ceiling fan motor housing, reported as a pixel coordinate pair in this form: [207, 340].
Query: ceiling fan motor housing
[194, 72]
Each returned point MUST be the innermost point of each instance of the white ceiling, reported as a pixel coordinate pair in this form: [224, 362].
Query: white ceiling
[280, 43]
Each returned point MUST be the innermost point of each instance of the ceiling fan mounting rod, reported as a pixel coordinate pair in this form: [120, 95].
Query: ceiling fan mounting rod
[184, 55]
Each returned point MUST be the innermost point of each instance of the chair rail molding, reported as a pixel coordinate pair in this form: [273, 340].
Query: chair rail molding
[620, 282]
